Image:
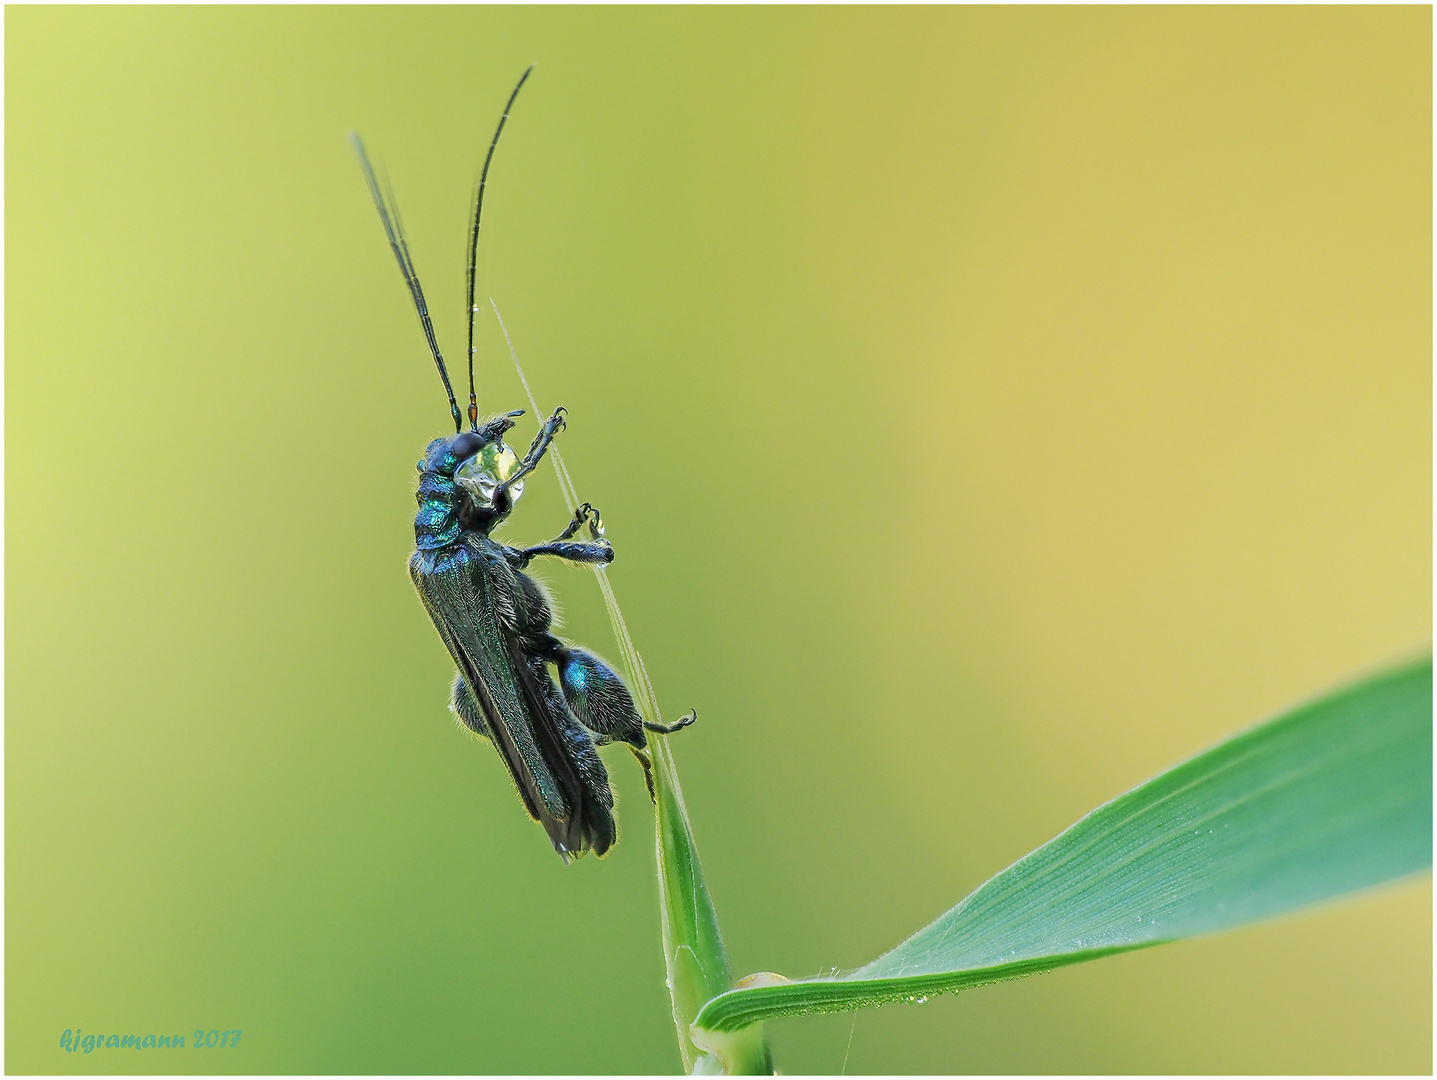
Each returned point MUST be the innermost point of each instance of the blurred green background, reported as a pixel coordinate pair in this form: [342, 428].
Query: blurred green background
[989, 407]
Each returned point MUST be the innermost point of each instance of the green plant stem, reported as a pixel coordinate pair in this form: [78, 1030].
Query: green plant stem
[695, 960]
[697, 964]
[694, 957]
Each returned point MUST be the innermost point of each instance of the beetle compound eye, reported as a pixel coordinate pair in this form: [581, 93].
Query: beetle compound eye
[466, 444]
[486, 470]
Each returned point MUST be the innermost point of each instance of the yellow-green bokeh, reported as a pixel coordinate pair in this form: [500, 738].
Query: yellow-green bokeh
[990, 407]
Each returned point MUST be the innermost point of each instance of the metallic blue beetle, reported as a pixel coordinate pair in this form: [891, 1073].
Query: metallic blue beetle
[494, 618]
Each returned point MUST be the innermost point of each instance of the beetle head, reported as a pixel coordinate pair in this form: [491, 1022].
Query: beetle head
[483, 462]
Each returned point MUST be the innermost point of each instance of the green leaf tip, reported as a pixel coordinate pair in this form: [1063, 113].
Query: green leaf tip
[1332, 796]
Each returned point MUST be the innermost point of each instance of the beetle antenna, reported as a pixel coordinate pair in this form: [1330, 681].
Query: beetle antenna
[388, 208]
[474, 242]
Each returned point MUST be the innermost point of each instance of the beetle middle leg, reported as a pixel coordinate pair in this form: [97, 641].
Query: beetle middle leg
[587, 513]
[563, 547]
[600, 551]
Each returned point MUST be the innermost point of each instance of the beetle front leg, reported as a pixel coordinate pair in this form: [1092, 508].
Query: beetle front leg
[537, 449]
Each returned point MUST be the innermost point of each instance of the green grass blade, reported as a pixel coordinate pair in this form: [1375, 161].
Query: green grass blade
[1332, 796]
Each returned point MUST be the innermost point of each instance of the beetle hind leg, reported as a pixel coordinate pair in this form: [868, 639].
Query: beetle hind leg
[648, 767]
[597, 696]
[465, 708]
[682, 722]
